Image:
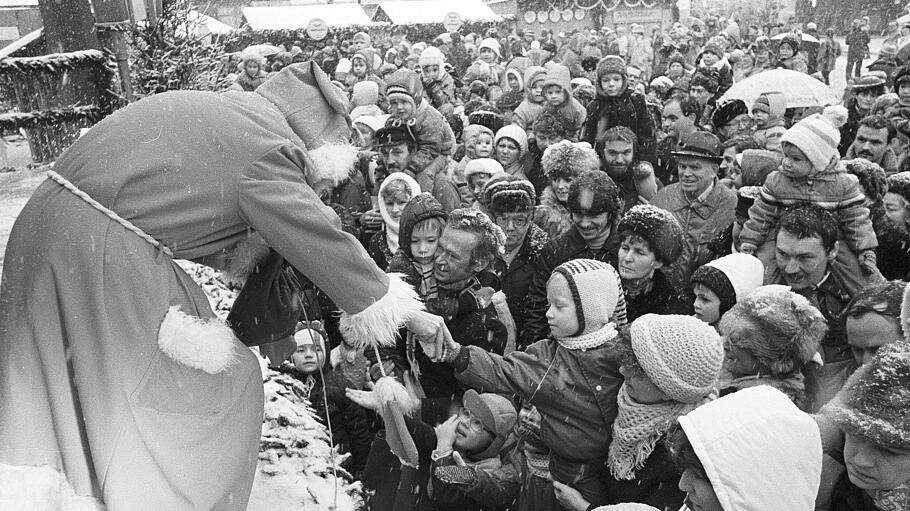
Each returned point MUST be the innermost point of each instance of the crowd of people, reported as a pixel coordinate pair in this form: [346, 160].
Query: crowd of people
[654, 296]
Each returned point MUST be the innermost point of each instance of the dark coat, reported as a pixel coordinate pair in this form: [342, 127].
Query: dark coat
[656, 483]
[893, 251]
[379, 249]
[516, 278]
[628, 109]
[662, 298]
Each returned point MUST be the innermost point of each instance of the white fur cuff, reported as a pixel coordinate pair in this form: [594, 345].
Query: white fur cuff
[41, 487]
[378, 324]
[207, 345]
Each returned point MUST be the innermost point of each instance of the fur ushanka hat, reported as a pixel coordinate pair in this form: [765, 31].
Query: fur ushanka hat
[787, 328]
[569, 159]
[659, 227]
[509, 195]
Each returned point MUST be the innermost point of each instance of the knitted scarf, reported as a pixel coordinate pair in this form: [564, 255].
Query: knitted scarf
[636, 431]
[590, 340]
[897, 499]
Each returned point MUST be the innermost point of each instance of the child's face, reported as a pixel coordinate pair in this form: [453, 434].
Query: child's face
[612, 84]
[786, 51]
[470, 436]
[308, 358]
[537, 91]
[903, 91]
[487, 55]
[477, 182]
[738, 361]
[395, 205]
[676, 69]
[430, 72]
[401, 108]
[554, 95]
[424, 239]
[252, 68]
[709, 59]
[359, 67]
[484, 146]
[795, 164]
[706, 305]
[874, 467]
[640, 388]
[561, 316]
[760, 118]
[513, 82]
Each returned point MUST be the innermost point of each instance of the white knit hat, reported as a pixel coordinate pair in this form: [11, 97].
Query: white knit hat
[482, 166]
[492, 44]
[817, 138]
[595, 287]
[739, 273]
[431, 57]
[681, 355]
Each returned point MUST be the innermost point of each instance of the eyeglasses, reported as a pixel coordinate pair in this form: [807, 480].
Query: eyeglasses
[473, 422]
[518, 223]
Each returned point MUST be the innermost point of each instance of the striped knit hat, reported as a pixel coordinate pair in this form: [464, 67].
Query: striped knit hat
[595, 288]
[817, 138]
[681, 355]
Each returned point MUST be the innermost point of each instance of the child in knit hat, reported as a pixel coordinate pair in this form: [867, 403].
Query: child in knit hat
[812, 172]
[872, 413]
[768, 116]
[557, 92]
[438, 85]
[618, 105]
[721, 283]
[768, 337]
[478, 143]
[670, 364]
[571, 377]
[477, 174]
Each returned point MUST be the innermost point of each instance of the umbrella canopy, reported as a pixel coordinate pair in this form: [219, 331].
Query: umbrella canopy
[800, 89]
[806, 37]
[261, 50]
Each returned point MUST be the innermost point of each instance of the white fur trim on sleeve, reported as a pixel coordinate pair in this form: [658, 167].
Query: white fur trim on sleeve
[334, 162]
[243, 258]
[207, 345]
[41, 487]
[378, 324]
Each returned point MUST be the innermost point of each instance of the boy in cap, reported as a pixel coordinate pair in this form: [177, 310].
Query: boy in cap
[768, 117]
[617, 104]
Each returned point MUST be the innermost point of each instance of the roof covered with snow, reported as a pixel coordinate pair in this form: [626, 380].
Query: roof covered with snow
[433, 11]
[8, 4]
[294, 17]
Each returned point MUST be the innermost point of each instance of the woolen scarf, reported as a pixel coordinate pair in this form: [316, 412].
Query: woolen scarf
[590, 340]
[636, 431]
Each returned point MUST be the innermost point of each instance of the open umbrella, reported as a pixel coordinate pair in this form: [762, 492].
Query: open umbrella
[261, 50]
[800, 89]
[806, 37]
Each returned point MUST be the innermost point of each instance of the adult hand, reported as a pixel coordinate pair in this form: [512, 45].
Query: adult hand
[430, 330]
[371, 219]
[569, 498]
[445, 434]
[364, 398]
[387, 365]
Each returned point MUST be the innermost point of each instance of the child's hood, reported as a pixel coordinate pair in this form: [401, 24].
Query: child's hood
[367, 55]
[421, 207]
[533, 74]
[559, 75]
[611, 64]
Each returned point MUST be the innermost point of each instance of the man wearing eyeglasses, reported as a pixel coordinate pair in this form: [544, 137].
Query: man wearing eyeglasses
[731, 119]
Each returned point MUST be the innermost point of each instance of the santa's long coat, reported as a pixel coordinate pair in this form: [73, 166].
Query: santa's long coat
[141, 405]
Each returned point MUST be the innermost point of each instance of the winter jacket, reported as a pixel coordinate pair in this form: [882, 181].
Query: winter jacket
[893, 251]
[778, 467]
[249, 83]
[528, 111]
[196, 171]
[656, 483]
[516, 277]
[769, 137]
[551, 215]
[833, 189]
[628, 109]
[566, 247]
[572, 57]
[701, 220]
[857, 44]
[662, 298]
[378, 249]
[574, 391]
[441, 93]
[828, 52]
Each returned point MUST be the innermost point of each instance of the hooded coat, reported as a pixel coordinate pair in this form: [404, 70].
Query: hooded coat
[528, 111]
[113, 366]
[572, 112]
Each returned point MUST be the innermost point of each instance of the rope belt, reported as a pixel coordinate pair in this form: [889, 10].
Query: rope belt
[62, 181]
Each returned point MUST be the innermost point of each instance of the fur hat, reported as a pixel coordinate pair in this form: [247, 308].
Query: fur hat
[595, 287]
[431, 57]
[731, 277]
[876, 404]
[757, 164]
[607, 196]
[510, 100]
[566, 158]
[792, 40]
[612, 64]
[899, 183]
[487, 166]
[681, 355]
[490, 118]
[515, 134]
[728, 110]
[496, 413]
[785, 330]
[550, 123]
[659, 227]
[775, 103]
[676, 58]
[871, 177]
[817, 138]
[558, 74]
[707, 78]
[317, 112]
[509, 195]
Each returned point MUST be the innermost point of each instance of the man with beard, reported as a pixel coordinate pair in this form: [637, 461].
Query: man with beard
[619, 150]
[872, 142]
[596, 205]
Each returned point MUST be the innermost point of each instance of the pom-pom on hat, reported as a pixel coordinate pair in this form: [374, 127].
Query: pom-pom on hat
[487, 166]
[569, 159]
[509, 195]
[728, 110]
[731, 277]
[681, 355]
[817, 138]
[595, 288]
[659, 227]
[787, 328]
[875, 408]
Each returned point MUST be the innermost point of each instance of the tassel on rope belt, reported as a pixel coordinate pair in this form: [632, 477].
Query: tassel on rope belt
[62, 181]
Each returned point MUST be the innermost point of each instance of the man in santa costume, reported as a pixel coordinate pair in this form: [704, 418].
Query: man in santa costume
[119, 387]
